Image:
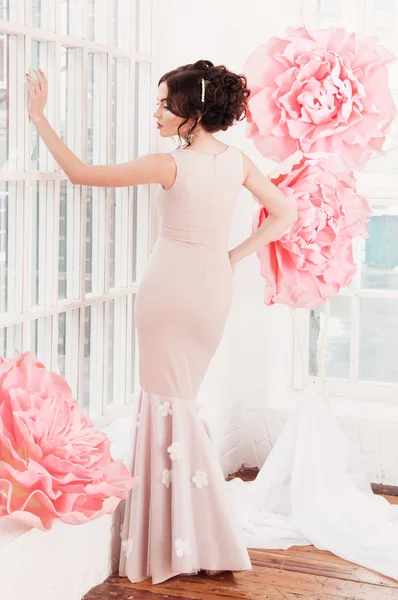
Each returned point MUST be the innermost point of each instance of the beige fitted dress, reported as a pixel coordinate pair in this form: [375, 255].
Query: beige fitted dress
[178, 518]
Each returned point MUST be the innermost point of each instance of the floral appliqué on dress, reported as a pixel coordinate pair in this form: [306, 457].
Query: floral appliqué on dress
[166, 477]
[182, 547]
[200, 478]
[165, 409]
[175, 451]
[127, 546]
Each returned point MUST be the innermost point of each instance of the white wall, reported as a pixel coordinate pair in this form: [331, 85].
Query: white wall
[248, 389]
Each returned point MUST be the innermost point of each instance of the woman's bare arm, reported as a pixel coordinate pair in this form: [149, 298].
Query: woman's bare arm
[282, 212]
[151, 168]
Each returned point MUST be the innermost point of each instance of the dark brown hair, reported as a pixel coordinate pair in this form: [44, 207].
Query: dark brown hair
[226, 95]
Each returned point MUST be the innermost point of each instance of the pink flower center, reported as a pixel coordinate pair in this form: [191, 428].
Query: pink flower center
[319, 88]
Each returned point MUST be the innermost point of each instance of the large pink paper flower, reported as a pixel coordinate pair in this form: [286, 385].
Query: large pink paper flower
[314, 258]
[323, 91]
[54, 464]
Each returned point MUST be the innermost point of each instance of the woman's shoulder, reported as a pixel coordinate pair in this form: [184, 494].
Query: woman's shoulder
[168, 161]
[244, 161]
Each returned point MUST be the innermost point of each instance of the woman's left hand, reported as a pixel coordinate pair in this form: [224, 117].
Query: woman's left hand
[38, 93]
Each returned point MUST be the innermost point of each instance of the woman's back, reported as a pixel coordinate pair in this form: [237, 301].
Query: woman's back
[198, 208]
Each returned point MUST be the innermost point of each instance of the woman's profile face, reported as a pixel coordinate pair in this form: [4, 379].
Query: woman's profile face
[165, 117]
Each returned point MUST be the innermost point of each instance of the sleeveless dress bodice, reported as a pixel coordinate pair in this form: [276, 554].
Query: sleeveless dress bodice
[198, 208]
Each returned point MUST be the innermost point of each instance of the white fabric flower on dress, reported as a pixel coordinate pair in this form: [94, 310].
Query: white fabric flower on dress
[166, 477]
[175, 451]
[165, 409]
[182, 547]
[200, 479]
[127, 546]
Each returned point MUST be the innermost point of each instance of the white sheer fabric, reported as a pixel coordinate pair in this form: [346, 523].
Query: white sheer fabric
[313, 489]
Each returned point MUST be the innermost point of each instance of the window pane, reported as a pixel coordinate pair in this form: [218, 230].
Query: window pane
[12, 10]
[41, 231]
[378, 349]
[97, 142]
[98, 21]
[69, 241]
[68, 343]
[10, 339]
[134, 231]
[111, 352]
[119, 237]
[72, 18]
[141, 230]
[144, 26]
[93, 359]
[12, 109]
[41, 338]
[381, 17]
[117, 351]
[337, 351]
[121, 110]
[380, 250]
[97, 108]
[123, 23]
[11, 246]
[43, 14]
[143, 108]
[43, 54]
[330, 13]
[71, 98]
[95, 240]
[120, 152]
[4, 10]
[134, 347]
[142, 128]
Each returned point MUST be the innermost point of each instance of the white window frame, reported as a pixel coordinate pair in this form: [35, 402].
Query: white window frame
[100, 414]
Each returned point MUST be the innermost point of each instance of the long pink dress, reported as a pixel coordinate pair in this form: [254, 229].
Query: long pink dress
[178, 517]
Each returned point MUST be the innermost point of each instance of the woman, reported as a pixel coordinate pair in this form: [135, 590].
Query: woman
[178, 518]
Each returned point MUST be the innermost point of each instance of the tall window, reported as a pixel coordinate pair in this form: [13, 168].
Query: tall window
[362, 342]
[70, 256]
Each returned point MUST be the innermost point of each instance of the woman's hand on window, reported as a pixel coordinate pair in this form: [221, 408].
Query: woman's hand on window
[38, 93]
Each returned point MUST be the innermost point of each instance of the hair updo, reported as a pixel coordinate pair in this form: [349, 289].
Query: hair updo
[226, 95]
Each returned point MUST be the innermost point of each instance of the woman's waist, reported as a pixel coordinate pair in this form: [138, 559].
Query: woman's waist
[194, 236]
[200, 243]
[184, 260]
[184, 249]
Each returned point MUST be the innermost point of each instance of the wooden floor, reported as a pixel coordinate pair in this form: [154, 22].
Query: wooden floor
[299, 572]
